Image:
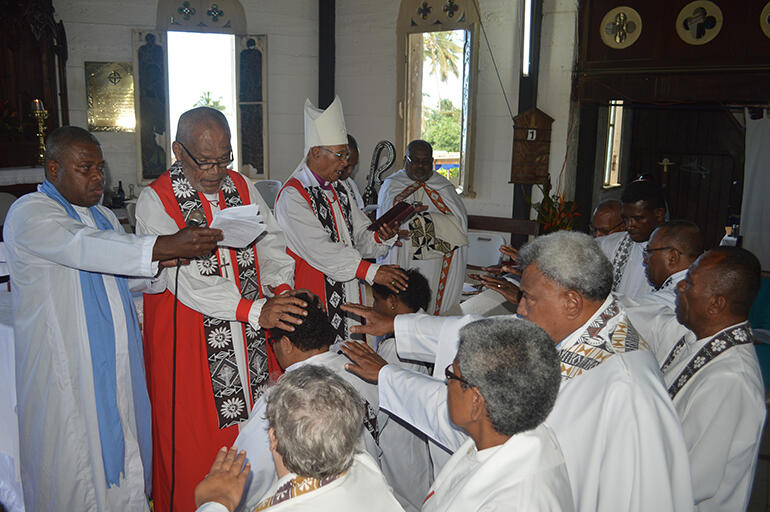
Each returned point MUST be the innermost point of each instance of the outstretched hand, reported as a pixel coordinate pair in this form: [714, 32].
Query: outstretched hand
[226, 479]
[377, 324]
[283, 312]
[366, 363]
[502, 286]
[186, 243]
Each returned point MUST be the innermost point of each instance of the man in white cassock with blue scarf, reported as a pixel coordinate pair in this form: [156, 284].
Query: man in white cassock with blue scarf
[84, 413]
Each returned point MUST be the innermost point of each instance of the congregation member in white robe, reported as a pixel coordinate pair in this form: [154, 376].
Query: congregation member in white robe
[500, 388]
[606, 219]
[350, 169]
[314, 419]
[672, 248]
[307, 344]
[405, 458]
[438, 243]
[643, 209]
[82, 398]
[620, 435]
[715, 381]
[222, 303]
[326, 234]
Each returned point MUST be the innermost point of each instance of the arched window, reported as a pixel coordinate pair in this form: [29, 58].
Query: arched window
[200, 54]
[436, 72]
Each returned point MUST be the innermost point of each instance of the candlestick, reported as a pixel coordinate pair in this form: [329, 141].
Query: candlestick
[41, 115]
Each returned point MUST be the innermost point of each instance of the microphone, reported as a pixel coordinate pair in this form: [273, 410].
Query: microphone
[196, 219]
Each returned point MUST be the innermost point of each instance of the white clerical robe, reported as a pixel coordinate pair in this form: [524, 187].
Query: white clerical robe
[405, 457]
[526, 473]
[620, 435]
[61, 454]
[633, 281]
[361, 487]
[218, 296]
[254, 439]
[654, 316]
[722, 408]
[456, 223]
[342, 261]
[351, 184]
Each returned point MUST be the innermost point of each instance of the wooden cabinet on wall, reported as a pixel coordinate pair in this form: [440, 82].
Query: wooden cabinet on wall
[33, 53]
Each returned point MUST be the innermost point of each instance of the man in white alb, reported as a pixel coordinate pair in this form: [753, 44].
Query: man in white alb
[715, 381]
[501, 386]
[438, 242]
[673, 246]
[326, 233]
[83, 409]
[308, 344]
[643, 209]
[222, 304]
[620, 435]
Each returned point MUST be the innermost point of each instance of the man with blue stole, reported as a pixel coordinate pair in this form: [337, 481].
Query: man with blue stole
[84, 413]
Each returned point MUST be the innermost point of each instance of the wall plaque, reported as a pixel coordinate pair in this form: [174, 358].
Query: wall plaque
[110, 95]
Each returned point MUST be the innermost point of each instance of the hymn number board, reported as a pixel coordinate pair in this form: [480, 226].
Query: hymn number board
[531, 147]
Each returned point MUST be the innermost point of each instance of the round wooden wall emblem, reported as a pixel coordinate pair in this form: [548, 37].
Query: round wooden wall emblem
[699, 22]
[621, 27]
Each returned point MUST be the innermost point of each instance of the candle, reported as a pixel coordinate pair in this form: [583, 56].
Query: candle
[37, 105]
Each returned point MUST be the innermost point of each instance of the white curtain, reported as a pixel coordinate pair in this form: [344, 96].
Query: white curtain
[755, 211]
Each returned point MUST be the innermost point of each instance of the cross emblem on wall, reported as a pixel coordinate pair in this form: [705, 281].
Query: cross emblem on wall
[186, 11]
[451, 8]
[215, 12]
[114, 78]
[699, 22]
[424, 10]
[621, 27]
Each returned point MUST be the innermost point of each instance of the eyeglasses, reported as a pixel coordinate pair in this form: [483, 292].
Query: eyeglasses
[648, 252]
[423, 162]
[206, 166]
[340, 155]
[450, 375]
[606, 231]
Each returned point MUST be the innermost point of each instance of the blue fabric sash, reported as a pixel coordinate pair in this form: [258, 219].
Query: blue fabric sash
[101, 337]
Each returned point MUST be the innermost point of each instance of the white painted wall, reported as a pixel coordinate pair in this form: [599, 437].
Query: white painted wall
[366, 83]
[100, 30]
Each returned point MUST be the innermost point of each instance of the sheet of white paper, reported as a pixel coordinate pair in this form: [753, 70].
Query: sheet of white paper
[240, 225]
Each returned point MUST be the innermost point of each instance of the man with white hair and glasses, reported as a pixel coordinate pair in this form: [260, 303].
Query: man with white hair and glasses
[314, 419]
[620, 435]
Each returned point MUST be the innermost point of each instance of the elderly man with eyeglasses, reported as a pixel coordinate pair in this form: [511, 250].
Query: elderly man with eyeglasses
[438, 245]
[207, 358]
[672, 248]
[326, 233]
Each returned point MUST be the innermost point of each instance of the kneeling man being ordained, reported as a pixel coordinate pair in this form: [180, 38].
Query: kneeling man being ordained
[500, 388]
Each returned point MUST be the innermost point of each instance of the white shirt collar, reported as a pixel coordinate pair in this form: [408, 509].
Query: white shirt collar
[575, 335]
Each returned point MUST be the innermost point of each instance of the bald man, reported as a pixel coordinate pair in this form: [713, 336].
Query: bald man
[715, 381]
[607, 219]
[221, 302]
[672, 248]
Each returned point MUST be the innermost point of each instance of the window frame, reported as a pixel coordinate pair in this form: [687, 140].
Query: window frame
[418, 16]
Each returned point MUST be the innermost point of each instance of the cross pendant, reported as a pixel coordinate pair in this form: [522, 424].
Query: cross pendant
[223, 267]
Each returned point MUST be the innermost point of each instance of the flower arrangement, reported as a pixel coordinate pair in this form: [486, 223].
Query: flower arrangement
[554, 212]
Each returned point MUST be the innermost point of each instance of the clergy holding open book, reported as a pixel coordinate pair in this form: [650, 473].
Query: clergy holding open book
[82, 396]
[222, 303]
[326, 233]
[438, 245]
